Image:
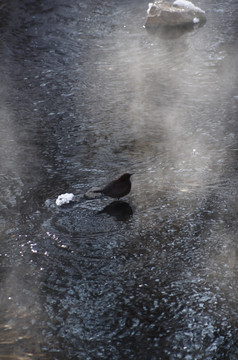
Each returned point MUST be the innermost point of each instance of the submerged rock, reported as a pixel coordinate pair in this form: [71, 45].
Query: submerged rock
[180, 13]
[90, 194]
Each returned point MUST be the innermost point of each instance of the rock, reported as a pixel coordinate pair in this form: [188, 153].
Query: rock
[90, 194]
[180, 13]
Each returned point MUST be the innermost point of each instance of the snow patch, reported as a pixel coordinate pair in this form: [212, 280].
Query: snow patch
[196, 20]
[149, 7]
[188, 5]
[64, 199]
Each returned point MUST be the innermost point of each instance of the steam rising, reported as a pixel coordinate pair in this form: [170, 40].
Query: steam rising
[178, 91]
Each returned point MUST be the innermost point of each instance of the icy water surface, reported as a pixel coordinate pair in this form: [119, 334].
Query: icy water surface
[87, 94]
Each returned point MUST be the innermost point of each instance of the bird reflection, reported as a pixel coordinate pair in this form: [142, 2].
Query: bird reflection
[121, 210]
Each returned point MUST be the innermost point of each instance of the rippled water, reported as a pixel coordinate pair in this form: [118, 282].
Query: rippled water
[87, 94]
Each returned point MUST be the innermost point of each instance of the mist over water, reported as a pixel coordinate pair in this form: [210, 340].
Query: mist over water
[86, 94]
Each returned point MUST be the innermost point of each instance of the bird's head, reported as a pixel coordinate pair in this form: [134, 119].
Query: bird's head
[125, 177]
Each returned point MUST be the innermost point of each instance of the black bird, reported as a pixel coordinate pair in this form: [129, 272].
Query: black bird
[117, 188]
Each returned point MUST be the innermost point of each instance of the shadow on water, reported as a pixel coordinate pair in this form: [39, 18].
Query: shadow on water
[87, 93]
[121, 210]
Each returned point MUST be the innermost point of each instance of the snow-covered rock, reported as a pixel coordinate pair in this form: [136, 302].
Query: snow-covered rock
[181, 12]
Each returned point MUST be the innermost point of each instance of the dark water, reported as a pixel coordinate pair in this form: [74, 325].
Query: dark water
[87, 94]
